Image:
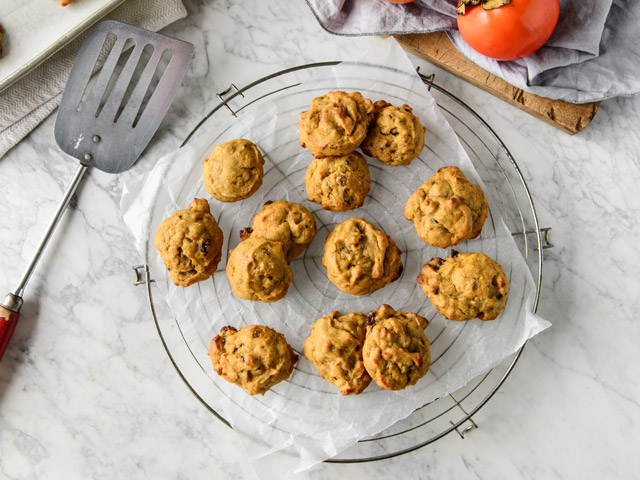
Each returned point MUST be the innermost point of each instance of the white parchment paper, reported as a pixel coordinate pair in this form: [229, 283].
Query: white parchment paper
[304, 420]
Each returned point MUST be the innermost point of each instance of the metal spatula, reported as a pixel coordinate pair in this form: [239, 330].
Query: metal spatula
[106, 120]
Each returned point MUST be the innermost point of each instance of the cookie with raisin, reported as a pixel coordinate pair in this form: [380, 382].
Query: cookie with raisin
[360, 258]
[334, 347]
[258, 270]
[233, 171]
[338, 183]
[286, 222]
[335, 124]
[447, 208]
[464, 286]
[255, 357]
[396, 351]
[396, 136]
[190, 243]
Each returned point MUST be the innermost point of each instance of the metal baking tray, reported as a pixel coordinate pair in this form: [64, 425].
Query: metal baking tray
[36, 29]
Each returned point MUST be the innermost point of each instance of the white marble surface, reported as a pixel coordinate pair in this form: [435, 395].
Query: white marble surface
[87, 391]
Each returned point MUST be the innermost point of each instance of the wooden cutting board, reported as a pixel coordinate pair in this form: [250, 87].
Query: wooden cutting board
[438, 49]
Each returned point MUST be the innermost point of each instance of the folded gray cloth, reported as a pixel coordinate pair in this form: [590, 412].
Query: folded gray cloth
[379, 17]
[591, 56]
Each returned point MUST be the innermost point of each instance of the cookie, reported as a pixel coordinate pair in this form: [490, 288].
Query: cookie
[258, 270]
[338, 183]
[335, 124]
[233, 171]
[395, 136]
[255, 357]
[286, 222]
[360, 258]
[334, 347]
[396, 351]
[465, 286]
[190, 243]
[447, 209]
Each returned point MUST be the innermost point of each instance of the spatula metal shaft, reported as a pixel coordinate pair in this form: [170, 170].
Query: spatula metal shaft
[62, 206]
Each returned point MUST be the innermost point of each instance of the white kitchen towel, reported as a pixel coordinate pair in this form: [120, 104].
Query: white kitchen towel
[31, 99]
[591, 56]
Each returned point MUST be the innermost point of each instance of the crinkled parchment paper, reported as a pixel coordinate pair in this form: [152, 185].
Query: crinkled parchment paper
[304, 420]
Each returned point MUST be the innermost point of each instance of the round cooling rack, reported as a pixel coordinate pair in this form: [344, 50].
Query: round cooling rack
[248, 109]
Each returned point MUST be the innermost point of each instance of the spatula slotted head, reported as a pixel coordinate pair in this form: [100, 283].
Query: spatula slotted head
[106, 120]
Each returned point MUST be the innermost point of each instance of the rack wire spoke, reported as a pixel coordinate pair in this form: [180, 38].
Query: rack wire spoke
[496, 166]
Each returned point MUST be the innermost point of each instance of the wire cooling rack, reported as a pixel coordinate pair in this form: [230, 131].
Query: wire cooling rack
[497, 169]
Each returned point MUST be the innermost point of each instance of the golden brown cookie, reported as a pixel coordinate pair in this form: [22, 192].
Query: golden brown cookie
[335, 349]
[286, 222]
[255, 357]
[447, 209]
[338, 183]
[360, 258]
[190, 243]
[335, 124]
[465, 286]
[258, 270]
[233, 171]
[396, 351]
[395, 136]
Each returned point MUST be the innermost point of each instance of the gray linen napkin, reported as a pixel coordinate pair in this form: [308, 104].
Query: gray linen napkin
[592, 55]
[379, 17]
[26, 103]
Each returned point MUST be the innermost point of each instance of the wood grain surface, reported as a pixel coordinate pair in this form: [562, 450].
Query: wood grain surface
[438, 49]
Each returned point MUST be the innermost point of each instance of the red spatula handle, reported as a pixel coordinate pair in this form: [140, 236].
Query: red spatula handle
[8, 322]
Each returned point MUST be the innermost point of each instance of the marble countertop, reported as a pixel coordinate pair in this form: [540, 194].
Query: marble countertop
[87, 390]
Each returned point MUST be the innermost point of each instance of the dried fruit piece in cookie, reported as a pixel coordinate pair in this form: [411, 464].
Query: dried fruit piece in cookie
[233, 171]
[338, 183]
[360, 258]
[335, 349]
[255, 357]
[335, 124]
[258, 270]
[465, 286]
[396, 351]
[190, 243]
[286, 222]
[447, 209]
[396, 135]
